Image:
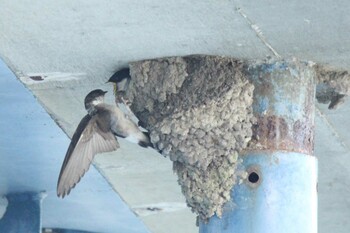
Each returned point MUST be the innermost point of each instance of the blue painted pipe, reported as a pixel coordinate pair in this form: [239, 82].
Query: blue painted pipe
[23, 213]
[280, 191]
[283, 200]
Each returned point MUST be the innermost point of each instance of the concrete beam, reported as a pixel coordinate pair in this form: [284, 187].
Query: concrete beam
[23, 213]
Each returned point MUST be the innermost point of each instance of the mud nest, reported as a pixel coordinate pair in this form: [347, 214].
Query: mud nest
[198, 111]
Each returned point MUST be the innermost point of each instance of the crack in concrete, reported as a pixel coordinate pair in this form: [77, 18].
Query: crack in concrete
[258, 32]
[332, 128]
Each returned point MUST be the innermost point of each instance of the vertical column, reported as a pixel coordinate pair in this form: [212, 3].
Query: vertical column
[280, 192]
[23, 213]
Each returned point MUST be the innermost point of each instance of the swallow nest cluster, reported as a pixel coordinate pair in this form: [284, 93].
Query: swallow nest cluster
[198, 111]
[333, 85]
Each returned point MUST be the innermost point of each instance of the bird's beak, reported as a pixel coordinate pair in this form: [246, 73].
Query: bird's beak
[115, 89]
[105, 92]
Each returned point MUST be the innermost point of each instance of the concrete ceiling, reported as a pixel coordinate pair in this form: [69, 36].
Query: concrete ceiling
[77, 45]
[31, 149]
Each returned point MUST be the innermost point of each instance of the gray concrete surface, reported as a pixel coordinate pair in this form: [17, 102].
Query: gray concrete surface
[86, 41]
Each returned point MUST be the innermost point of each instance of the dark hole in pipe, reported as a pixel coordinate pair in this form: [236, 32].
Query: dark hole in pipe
[253, 177]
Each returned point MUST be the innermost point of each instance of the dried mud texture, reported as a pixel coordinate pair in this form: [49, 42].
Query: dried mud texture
[333, 85]
[198, 111]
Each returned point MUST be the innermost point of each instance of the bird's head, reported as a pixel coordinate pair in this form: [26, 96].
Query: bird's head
[120, 80]
[94, 98]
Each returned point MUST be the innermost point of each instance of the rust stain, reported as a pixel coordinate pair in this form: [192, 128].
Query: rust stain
[271, 128]
[277, 133]
[303, 133]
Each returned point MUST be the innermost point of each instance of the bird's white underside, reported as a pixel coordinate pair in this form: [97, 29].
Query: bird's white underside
[132, 138]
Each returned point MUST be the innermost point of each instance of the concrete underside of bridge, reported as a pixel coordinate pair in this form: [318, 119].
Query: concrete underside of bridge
[75, 47]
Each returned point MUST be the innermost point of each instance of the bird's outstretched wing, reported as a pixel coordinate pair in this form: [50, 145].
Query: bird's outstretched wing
[88, 140]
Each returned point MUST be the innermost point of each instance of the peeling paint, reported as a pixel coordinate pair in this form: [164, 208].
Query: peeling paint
[283, 105]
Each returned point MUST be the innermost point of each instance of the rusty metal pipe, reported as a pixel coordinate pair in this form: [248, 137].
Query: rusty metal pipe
[280, 192]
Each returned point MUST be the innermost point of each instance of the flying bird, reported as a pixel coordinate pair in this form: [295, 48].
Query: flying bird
[96, 134]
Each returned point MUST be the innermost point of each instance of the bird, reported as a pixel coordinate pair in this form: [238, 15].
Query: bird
[96, 133]
[120, 80]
